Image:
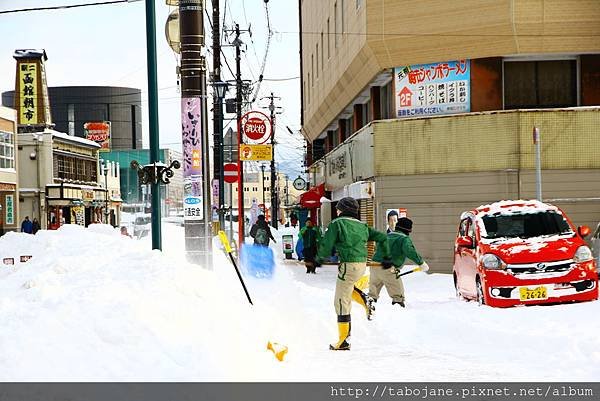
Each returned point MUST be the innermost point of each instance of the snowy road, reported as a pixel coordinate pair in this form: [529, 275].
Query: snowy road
[106, 308]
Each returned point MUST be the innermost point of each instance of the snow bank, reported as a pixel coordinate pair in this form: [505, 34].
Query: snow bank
[92, 305]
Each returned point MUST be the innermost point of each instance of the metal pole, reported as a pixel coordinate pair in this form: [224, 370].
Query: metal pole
[218, 113]
[538, 163]
[262, 169]
[197, 214]
[153, 118]
[238, 105]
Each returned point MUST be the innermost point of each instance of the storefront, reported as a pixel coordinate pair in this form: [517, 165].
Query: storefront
[73, 204]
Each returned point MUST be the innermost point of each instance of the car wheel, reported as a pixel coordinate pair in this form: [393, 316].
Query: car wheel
[480, 296]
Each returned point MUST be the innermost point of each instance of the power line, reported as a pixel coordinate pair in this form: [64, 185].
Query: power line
[101, 3]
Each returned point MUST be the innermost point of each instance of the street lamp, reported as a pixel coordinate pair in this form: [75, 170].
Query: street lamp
[220, 89]
[105, 169]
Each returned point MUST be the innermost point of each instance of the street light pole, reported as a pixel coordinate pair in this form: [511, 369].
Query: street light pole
[105, 171]
[153, 118]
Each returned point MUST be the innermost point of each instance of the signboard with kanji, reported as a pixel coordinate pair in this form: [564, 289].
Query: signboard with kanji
[256, 127]
[98, 132]
[432, 89]
[256, 152]
[10, 212]
[28, 93]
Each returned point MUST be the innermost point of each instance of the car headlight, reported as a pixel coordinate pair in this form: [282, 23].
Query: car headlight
[583, 254]
[491, 261]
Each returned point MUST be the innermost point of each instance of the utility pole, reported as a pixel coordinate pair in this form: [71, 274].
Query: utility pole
[197, 216]
[153, 118]
[262, 177]
[218, 158]
[274, 205]
[287, 191]
[238, 107]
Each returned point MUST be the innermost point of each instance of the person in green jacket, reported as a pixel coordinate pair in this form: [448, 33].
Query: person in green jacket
[349, 236]
[311, 236]
[401, 249]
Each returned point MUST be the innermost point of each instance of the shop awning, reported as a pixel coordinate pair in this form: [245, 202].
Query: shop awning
[312, 198]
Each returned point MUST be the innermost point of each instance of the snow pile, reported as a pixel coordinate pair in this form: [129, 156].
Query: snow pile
[92, 305]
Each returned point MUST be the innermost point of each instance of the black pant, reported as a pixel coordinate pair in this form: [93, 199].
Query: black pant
[309, 259]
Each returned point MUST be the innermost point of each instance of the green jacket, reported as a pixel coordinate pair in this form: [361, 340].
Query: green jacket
[401, 248]
[310, 236]
[349, 236]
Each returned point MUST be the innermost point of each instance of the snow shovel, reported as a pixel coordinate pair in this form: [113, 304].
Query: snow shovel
[228, 249]
[423, 268]
[278, 350]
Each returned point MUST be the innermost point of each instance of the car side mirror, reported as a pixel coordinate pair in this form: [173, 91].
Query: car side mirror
[584, 231]
[464, 242]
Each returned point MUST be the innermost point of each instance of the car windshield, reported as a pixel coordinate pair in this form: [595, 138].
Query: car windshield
[142, 221]
[526, 225]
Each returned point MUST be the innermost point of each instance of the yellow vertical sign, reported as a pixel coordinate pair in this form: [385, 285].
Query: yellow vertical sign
[28, 113]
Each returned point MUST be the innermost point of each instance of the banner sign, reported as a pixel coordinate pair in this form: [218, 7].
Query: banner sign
[256, 152]
[191, 117]
[433, 89]
[98, 132]
[28, 93]
[10, 212]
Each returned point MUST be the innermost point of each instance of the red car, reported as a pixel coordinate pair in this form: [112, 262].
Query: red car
[522, 253]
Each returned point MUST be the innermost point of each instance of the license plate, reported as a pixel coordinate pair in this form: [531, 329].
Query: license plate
[528, 294]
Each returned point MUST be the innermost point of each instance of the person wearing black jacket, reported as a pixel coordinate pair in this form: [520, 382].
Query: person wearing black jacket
[261, 232]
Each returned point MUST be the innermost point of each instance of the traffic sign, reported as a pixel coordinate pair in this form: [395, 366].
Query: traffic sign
[230, 172]
[256, 126]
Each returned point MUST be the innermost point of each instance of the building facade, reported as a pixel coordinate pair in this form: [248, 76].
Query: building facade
[9, 186]
[72, 107]
[431, 107]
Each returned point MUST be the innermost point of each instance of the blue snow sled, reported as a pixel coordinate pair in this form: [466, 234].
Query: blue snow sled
[258, 260]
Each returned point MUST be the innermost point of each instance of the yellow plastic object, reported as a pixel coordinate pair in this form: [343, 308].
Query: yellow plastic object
[279, 350]
[363, 282]
[225, 241]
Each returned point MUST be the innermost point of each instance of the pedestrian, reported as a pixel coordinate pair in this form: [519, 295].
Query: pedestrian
[27, 226]
[261, 232]
[349, 236]
[124, 232]
[35, 225]
[401, 249]
[392, 219]
[311, 236]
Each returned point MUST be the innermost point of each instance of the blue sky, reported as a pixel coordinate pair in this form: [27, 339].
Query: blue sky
[106, 45]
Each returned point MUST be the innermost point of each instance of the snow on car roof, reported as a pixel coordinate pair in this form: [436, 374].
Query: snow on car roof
[508, 207]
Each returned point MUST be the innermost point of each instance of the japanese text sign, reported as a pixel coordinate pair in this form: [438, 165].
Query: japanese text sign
[98, 132]
[431, 89]
[28, 79]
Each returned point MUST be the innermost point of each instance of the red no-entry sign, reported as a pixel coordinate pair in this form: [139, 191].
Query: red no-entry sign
[230, 173]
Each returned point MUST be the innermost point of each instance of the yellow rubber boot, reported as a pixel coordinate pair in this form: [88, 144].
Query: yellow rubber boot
[343, 343]
[365, 301]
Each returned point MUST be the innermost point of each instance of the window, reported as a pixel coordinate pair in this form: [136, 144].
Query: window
[540, 84]
[7, 150]
[71, 118]
[75, 169]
